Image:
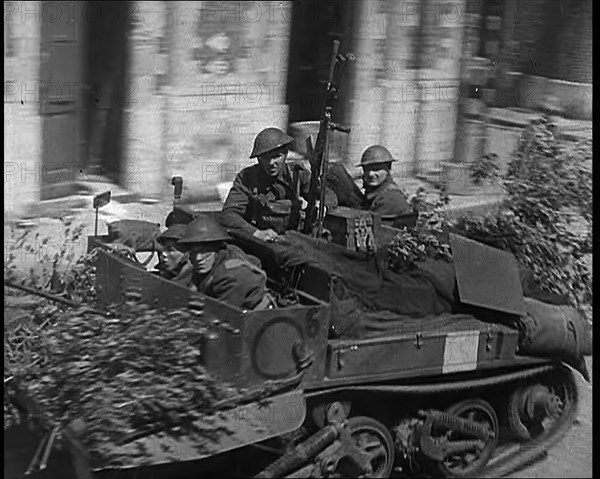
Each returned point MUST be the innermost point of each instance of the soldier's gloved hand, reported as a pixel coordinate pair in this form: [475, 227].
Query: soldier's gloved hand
[266, 235]
[303, 204]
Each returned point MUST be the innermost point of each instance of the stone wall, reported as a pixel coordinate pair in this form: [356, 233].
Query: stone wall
[548, 44]
[143, 168]
[22, 120]
[208, 76]
[405, 82]
[575, 43]
[226, 83]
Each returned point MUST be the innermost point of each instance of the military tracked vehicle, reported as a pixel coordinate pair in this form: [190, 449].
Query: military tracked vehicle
[357, 371]
[450, 395]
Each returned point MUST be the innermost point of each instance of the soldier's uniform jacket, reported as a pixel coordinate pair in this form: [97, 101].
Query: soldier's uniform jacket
[387, 199]
[236, 278]
[258, 201]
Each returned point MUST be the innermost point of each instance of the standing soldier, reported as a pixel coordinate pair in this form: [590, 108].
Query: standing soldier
[266, 198]
[382, 195]
[220, 270]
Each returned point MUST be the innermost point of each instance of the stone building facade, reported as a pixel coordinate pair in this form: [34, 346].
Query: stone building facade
[135, 92]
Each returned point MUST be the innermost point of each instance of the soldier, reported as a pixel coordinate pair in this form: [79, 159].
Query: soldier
[220, 270]
[174, 262]
[382, 195]
[264, 200]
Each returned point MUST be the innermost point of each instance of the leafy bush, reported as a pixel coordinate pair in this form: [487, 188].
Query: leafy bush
[548, 186]
[545, 220]
[485, 167]
[52, 273]
[127, 372]
[427, 239]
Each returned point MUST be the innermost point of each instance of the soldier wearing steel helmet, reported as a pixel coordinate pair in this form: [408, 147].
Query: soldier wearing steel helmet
[264, 201]
[221, 270]
[382, 195]
[173, 262]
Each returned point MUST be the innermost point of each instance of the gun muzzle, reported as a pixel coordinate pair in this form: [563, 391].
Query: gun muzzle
[337, 127]
[177, 182]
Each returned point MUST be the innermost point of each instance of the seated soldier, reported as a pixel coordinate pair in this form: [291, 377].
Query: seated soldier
[174, 262]
[220, 270]
[382, 195]
[264, 201]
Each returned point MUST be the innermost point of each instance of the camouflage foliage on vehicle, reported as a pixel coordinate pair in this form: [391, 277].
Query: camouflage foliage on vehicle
[545, 220]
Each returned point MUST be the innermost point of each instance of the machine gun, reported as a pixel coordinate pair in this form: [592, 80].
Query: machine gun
[318, 156]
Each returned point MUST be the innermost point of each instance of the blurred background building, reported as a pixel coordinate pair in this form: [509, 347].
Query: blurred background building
[131, 93]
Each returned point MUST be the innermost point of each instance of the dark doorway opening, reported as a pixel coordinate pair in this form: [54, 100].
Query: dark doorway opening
[83, 82]
[105, 76]
[315, 25]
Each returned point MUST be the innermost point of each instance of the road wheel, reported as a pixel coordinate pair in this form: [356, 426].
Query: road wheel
[375, 440]
[534, 410]
[465, 464]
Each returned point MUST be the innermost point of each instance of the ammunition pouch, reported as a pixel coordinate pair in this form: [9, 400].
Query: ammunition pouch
[279, 215]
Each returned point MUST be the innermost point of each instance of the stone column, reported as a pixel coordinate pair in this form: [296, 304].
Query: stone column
[575, 43]
[474, 70]
[571, 80]
[439, 79]
[507, 71]
[401, 100]
[367, 72]
[22, 120]
[143, 170]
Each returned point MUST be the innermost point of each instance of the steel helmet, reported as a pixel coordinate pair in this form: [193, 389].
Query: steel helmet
[175, 232]
[179, 215]
[269, 139]
[376, 154]
[204, 229]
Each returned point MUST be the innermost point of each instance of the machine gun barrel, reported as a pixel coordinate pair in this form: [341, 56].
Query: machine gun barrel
[318, 156]
[333, 62]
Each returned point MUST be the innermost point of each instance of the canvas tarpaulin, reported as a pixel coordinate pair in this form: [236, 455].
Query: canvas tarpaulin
[416, 293]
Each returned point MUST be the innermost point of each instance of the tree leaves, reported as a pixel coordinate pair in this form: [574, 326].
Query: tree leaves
[427, 239]
[137, 371]
[548, 182]
[549, 191]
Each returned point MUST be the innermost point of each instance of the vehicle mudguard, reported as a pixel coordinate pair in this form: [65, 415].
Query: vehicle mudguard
[246, 424]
